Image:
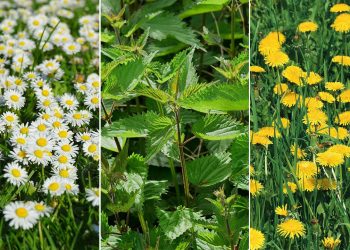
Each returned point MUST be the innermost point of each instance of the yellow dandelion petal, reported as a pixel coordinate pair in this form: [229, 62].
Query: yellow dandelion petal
[291, 186]
[256, 69]
[313, 103]
[251, 170]
[291, 228]
[282, 210]
[290, 99]
[259, 139]
[327, 97]
[330, 159]
[344, 96]
[269, 132]
[294, 74]
[313, 78]
[284, 121]
[330, 242]
[326, 184]
[306, 169]
[307, 184]
[343, 118]
[256, 239]
[340, 7]
[280, 88]
[276, 59]
[339, 133]
[255, 187]
[342, 23]
[334, 86]
[342, 60]
[307, 27]
[315, 117]
[268, 46]
[340, 149]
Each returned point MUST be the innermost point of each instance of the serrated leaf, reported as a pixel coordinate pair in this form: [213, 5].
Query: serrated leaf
[218, 127]
[218, 97]
[176, 223]
[153, 190]
[170, 69]
[209, 170]
[240, 156]
[204, 6]
[167, 25]
[124, 78]
[155, 94]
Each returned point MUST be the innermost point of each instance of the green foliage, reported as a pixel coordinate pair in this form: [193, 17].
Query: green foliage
[175, 111]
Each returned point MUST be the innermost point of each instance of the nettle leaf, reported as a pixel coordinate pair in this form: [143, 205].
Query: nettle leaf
[176, 223]
[204, 6]
[131, 127]
[218, 97]
[123, 78]
[169, 70]
[209, 170]
[153, 190]
[167, 25]
[187, 74]
[240, 156]
[161, 130]
[155, 94]
[218, 127]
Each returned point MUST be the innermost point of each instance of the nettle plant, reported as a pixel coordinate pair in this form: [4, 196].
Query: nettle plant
[175, 158]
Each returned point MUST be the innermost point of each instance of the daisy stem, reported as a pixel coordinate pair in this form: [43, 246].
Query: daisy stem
[41, 236]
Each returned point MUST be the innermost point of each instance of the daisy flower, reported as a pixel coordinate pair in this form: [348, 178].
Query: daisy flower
[93, 196]
[15, 174]
[20, 215]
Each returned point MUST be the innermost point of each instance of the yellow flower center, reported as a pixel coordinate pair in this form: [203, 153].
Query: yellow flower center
[64, 173]
[46, 116]
[69, 102]
[10, 118]
[54, 186]
[68, 187]
[71, 47]
[56, 124]
[36, 22]
[42, 142]
[94, 100]
[96, 84]
[14, 98]
[63, 159]
[77, 116]
[24, 130]
[16, 173]
[21, 141]
[92, 148]
[39, 153]
[45, 92]
[41, 127]
[63, 134]
[21, 212]
[85, 137]
[39, 207]
[66, 147]
[22, 154]
[46, 103]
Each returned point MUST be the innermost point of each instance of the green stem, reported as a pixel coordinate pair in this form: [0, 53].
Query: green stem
[108, 119]
[174, 176]
[233, 16]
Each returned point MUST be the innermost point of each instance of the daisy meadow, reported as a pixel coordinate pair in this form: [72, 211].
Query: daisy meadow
[49, 104]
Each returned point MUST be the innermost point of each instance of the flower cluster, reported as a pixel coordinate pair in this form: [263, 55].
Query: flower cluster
[49, 96]
[302, 149]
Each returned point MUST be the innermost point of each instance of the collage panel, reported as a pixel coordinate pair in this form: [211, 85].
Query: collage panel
[49, 123]
[175, 122]
[299, 92]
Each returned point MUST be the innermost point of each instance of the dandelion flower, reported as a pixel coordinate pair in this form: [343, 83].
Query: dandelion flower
[330, 159]
[255, 187]
[280, 88]
[340, 7]
[282, 210]
[344, 96]
[343, 118]
[284, 121]
[21, 215]
[340, 149]
[339, 133]
[268, 132]
[326, 184]
[271, 43]
[330, 242]
[342, 60]
[315, 117]
[306, 169]
[256, 69]
[256, 239]
[313, 103]
[307, 184]
[327, 97]
[342, 23]
[294, 74]
[291, 186]
[259, 139]
[307, 27]
[290, 99]
[313, 78]
[276, 59]
[291, 228]
[334, 86]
